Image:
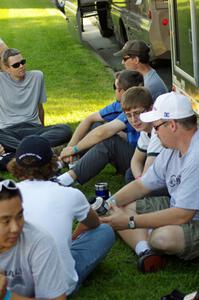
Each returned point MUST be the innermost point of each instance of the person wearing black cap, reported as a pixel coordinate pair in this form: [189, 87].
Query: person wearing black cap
[135, 56]
[53, 207]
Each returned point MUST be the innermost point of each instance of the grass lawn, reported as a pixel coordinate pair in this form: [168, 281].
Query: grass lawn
[78, 84]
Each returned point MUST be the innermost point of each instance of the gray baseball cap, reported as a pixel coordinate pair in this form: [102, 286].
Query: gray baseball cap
[135, 47]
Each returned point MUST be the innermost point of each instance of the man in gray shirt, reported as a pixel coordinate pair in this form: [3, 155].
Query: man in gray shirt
[28, 257]
[169, 225]
[22, 94]
[135, 56]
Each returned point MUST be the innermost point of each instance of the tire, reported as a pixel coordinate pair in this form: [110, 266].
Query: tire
[123, 35]
[79, 21]
[103, 11]
[60, 4]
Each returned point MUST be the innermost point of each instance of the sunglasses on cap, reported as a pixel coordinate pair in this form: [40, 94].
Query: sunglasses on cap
[17, 64]
[9, 184]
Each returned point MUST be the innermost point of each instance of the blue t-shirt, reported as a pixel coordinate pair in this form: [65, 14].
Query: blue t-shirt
[132, 134]
[111, 111]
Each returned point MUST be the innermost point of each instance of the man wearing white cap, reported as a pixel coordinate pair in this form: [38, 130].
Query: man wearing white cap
[173, 221]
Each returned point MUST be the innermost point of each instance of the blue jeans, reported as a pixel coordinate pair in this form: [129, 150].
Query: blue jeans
[89, 249]
[7, 296]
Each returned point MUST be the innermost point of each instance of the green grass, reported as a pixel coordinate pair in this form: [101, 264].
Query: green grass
[78, 84]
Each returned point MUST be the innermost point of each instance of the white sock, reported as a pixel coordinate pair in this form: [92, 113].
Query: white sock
[66, 179]
[141, 247]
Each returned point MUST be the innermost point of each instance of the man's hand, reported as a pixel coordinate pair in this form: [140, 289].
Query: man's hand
[118, 218]
[3, 285]
[67, 154]
[2, 151]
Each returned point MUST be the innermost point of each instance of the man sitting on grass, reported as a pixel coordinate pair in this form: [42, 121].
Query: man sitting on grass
[110, 151]
[154, 226]
[28, 256]
[21, 104]
[136, 56]
[54, 208]
[123, 80]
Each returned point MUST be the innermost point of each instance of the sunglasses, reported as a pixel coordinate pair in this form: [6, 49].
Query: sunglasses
[17, 64]
[125, 58]
[116, 87]
[157, 126]
[9, 184]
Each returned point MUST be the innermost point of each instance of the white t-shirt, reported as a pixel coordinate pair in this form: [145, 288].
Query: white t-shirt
[149, 143]
[33, 267]
[54, 207]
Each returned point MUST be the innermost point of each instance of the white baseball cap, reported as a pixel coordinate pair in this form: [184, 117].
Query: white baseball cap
[169, 106]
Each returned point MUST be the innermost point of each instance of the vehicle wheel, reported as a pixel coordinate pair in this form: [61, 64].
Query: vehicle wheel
[123, 35]
[60, 5]
[103, 10]
[80, 25]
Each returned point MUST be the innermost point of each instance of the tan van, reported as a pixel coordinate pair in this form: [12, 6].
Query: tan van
[143, 19]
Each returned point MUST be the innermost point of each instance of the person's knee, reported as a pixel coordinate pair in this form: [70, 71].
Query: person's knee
[161, 240]
[66, 129]
[107, 233]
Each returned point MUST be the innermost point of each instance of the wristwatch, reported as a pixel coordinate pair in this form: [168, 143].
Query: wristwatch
[131, 223]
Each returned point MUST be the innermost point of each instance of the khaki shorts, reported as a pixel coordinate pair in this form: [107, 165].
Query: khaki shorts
[191, 229]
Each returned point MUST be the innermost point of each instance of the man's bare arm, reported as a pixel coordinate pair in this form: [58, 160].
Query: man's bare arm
[172, 216]
[129, 193]
[138, 162]
[94, 137]
[84, 127]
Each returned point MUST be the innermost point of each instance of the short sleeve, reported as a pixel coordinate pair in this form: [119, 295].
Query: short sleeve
[154, 147]
[110, 112]
[80, 205]
[47, 271]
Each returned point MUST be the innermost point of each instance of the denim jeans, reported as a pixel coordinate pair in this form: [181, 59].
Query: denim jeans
[7, 296]
[89, 249]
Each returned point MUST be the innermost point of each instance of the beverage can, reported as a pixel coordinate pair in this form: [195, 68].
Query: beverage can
[101, 190]
[99, 206]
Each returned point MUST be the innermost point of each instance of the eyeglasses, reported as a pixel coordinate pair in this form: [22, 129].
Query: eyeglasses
[157, 126]
[125, 58]
[8, 184]
[17, 64]
[135, 114]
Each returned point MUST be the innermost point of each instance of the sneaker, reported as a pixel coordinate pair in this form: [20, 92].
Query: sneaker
[175, 295]
[5, 159]
[150, 261]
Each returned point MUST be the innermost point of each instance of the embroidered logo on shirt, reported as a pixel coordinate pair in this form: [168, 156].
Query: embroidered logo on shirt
[174, 180]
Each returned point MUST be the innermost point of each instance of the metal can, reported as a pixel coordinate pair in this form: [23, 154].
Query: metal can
[100, 206]
[101, 190]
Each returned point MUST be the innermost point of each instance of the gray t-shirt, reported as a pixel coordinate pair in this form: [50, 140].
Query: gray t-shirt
[19, 100]
[179, 174]
[154, 84]
[33, 266]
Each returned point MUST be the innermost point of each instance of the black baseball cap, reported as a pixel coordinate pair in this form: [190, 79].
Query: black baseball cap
[36, 147]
